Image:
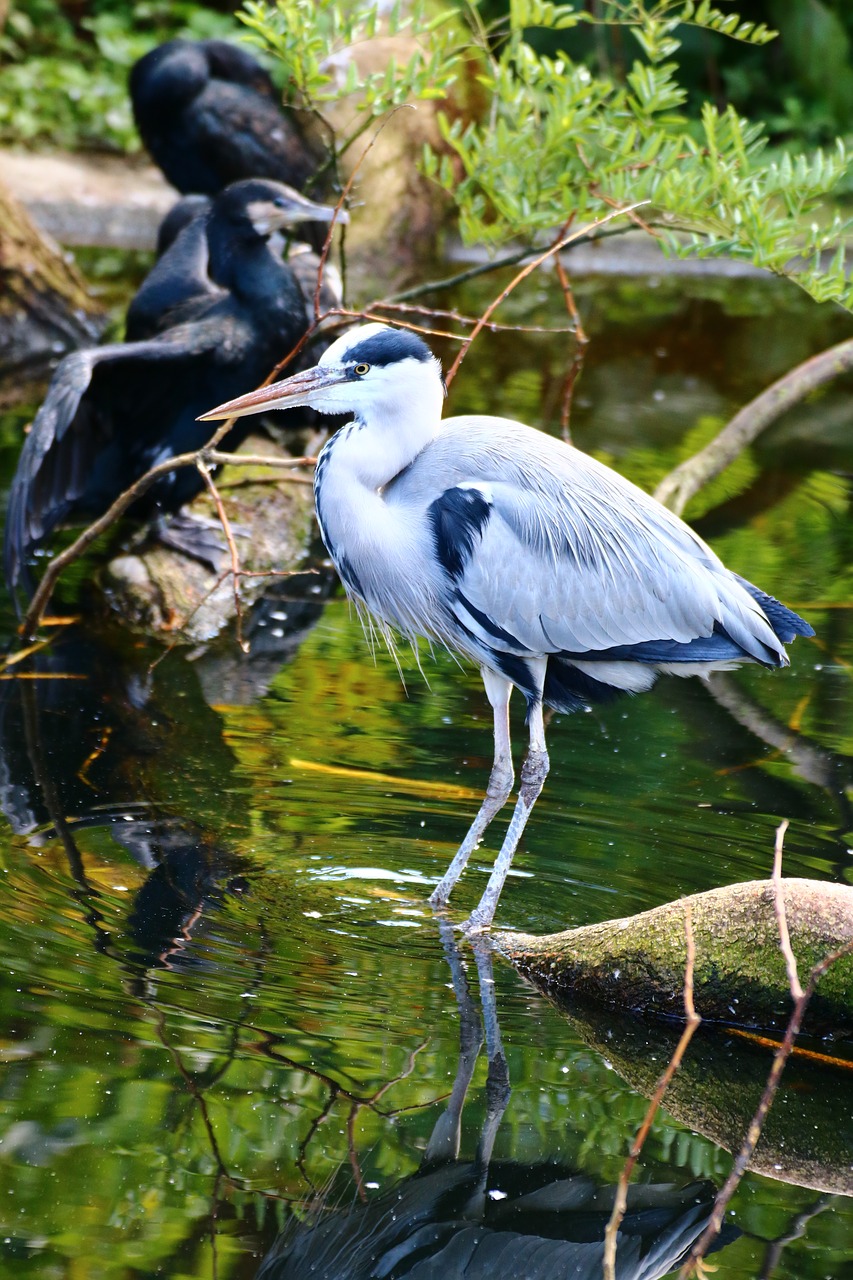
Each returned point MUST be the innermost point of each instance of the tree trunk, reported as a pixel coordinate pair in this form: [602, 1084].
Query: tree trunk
[44, 307]
[638, 963]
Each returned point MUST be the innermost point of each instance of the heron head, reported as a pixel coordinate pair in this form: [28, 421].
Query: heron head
[373, 371]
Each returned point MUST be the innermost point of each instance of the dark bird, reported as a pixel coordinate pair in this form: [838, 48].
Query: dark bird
[113, 412]
[209, 115]
[553, 573]
[473, 1219]
[183, 283]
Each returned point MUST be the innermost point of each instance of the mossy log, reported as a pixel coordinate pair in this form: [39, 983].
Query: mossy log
[45, 308]
[638, 963]
[171, 596]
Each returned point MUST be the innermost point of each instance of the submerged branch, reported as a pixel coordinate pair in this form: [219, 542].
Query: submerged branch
[685, 480]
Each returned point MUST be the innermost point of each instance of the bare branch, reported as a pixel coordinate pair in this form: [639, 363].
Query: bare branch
[781, 916]
[685, 480]
[232, 547]
[692, 1021]
[560, 244]
[581, 344]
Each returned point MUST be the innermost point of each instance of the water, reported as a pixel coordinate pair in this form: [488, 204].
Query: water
[226, 1011]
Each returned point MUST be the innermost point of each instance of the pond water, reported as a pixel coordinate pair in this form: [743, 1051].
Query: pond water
[231, 1029]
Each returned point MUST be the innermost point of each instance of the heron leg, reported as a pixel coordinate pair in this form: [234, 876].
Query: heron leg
[533, 775]
[498, 691]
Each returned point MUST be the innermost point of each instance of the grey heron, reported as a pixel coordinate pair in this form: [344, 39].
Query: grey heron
[549, 570]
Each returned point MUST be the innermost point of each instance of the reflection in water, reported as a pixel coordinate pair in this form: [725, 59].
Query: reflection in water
[72, 736]
[816, 764]
[487, 1217]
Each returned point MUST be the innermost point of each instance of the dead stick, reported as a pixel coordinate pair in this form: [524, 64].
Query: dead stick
[781, 915]
[558, 245]
[692, 1022]
[232, 547]
[676, 489]
[756, 1124]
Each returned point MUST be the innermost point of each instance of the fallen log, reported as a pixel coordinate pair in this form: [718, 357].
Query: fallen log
[45, 309]
[637, 963]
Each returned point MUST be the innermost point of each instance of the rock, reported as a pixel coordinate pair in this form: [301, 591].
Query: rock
[109, 201]
[172, 596]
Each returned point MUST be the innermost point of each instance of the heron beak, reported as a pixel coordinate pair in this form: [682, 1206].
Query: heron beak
[298, 390]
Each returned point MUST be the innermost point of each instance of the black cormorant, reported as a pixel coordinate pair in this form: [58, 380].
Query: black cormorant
[183, 284]
[209, 115]
[112, 412]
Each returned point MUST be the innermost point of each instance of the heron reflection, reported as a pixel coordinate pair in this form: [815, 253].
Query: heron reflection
[487, 1216]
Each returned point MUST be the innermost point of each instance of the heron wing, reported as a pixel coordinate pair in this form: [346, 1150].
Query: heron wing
[550, 552]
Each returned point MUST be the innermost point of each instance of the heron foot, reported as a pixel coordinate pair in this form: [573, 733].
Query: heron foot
[477, 923]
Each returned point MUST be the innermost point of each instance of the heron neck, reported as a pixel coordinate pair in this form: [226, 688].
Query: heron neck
[377, 446]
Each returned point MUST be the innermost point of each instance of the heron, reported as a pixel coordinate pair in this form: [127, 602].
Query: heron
[549, 570]
[210, 115]
[112, 412]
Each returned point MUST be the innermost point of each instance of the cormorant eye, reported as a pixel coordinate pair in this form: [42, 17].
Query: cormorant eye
[361, 369]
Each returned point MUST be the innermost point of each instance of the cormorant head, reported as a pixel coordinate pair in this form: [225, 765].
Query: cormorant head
[247, 213]
[256, 207]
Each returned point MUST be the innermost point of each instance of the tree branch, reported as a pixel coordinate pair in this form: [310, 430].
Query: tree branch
[676, 489]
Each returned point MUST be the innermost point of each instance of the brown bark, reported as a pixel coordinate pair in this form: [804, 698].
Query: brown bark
[44, 306]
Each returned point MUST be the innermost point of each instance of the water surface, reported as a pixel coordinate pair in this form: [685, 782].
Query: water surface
[226, 1011]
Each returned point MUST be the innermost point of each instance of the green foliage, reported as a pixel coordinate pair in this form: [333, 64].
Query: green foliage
[707, 185]
[601, 142]
[66, 85]
[309, 37]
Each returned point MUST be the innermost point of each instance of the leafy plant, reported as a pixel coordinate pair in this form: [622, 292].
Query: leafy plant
[555, 144]
[311, 38]
[66, 85]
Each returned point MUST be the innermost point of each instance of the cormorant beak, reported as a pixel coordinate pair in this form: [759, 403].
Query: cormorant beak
[298, 390]
[272, 215]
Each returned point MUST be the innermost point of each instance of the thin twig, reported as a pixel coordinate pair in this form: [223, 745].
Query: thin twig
[692, 1020]
[781, 917]
[232, 547]
[494, 326]
[496, 264]
[556, 247]
[756, 1124]
[327, 243]
[581, 343]
[256, 459]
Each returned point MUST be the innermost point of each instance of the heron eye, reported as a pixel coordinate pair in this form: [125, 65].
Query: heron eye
[361, 369]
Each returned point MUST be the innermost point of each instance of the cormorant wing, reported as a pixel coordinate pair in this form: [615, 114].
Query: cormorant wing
[81, 413]
[176, 289]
